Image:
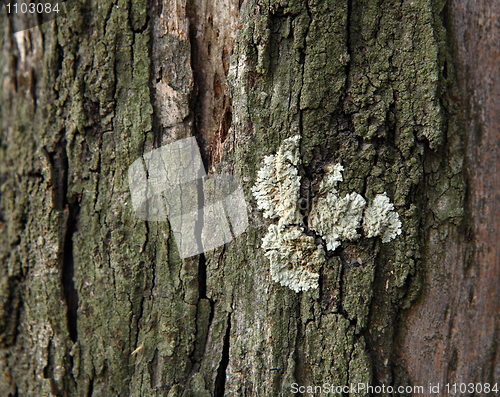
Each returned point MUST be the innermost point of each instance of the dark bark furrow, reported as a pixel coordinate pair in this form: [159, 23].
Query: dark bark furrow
[68, 270]
[220, 380]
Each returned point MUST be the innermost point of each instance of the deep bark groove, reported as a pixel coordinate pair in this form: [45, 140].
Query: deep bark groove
[68, 271]
[220, 380]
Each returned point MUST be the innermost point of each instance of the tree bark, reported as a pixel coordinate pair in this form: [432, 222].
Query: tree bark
[96, 302]
[451, 335]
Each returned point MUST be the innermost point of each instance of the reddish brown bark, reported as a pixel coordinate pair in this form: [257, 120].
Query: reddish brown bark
[452, 332]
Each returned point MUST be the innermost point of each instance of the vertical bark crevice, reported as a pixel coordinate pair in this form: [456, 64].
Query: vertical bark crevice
[69, 210]
[199, 83]
[11, 311]
[68, 272]
[220, 380]
[68, 264]
[200, 223]
[211, 41]
[138, 324]
[202, 277]
[91, 388]
[155, 76]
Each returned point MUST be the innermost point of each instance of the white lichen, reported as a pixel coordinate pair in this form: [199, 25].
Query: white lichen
[277, 190]
[380, 219]
[332, 177]
[336, 219]
[332, 217]
[295, 258]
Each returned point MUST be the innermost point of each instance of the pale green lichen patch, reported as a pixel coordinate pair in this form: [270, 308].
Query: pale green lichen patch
[294, 256]
[336, 218]
[278, 184]
[381, 220]
[333, 217]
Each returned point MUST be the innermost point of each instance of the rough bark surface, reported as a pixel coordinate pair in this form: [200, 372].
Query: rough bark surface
[95, 302]
[363, 84]
[452, 333]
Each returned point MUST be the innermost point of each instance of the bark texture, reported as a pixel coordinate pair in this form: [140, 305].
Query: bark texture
[95, 302]
[452, 334]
